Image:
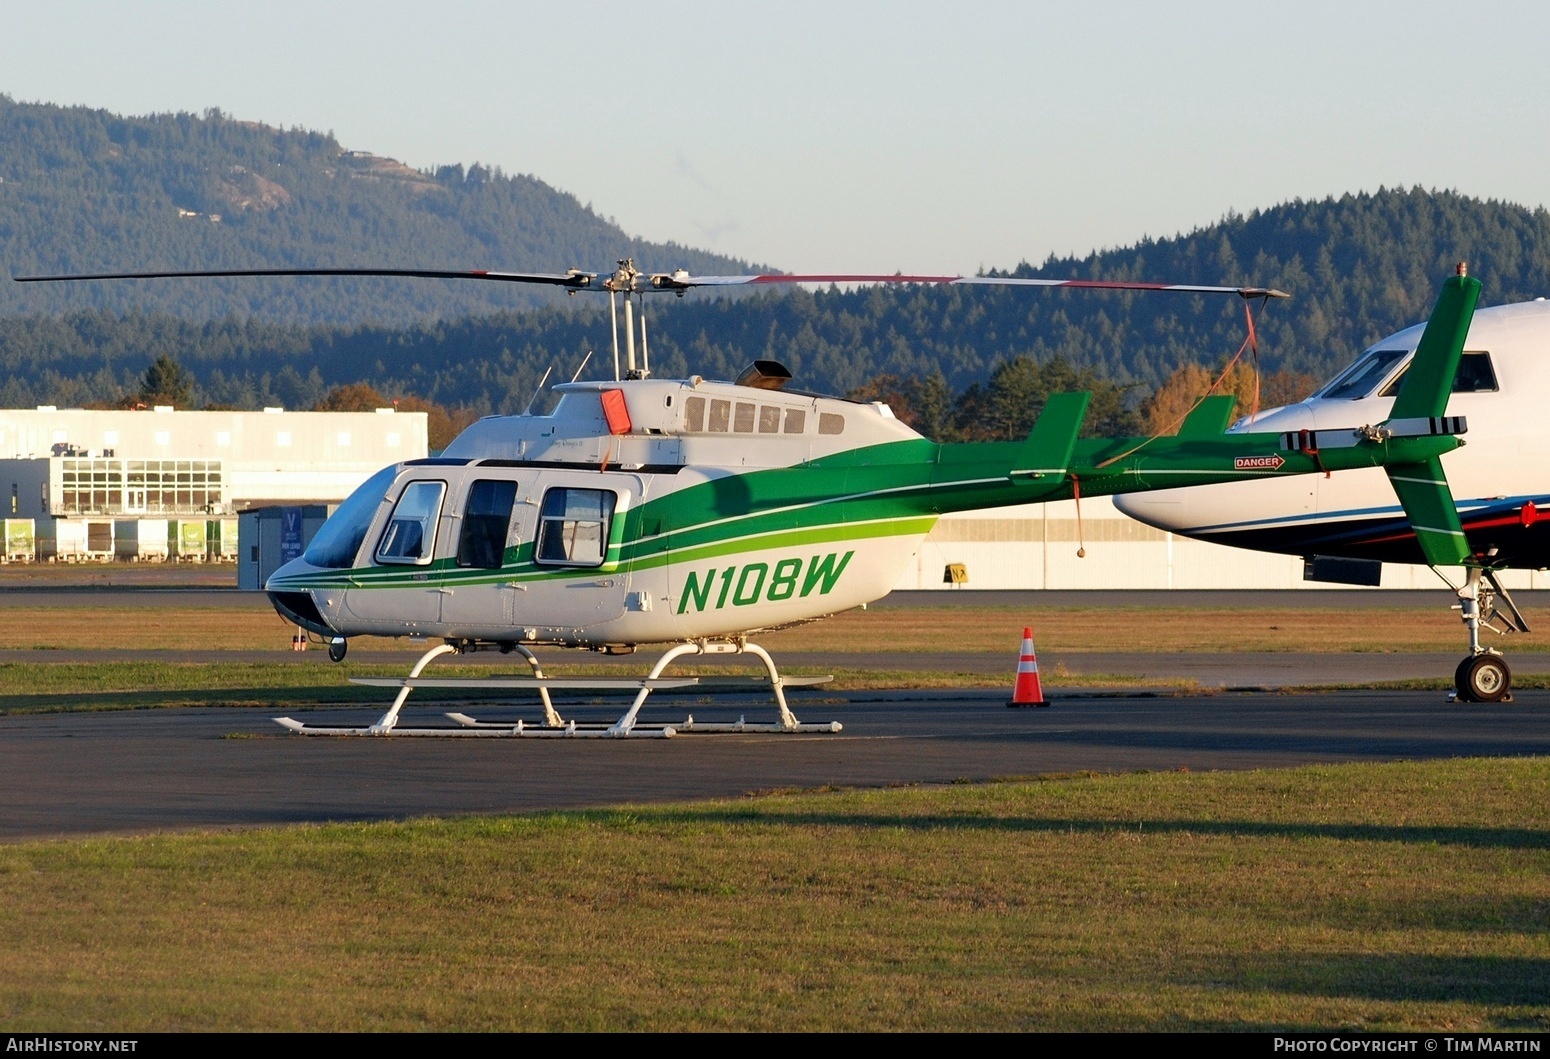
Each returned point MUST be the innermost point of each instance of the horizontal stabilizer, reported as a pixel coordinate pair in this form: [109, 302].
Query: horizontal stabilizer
[1426, 386]
[1053, 437]
[1428, 502]
[1209, 418]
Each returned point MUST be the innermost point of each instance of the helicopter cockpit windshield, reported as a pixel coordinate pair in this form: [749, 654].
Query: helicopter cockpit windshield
[339, 541]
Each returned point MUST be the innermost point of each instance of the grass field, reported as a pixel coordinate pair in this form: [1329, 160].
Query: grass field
[1362, 896]
[1396, 896]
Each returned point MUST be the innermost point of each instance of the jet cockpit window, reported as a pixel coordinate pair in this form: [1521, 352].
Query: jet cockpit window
[338, 542]
[573, 526]
[411, 532]
[1364, 377]
[486, 515]
[1475, 375]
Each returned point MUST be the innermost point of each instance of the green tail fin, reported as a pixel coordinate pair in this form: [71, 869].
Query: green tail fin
[1210, 417]
[1426, 386]
[1053, 437]
[1428, 502]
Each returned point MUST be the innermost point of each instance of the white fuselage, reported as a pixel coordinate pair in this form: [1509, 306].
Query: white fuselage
[1503, 465]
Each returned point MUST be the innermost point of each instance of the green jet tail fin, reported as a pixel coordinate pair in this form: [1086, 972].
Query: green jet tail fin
[1053, 437]
[1426, 386]
[1209, 418]
[1428, 502]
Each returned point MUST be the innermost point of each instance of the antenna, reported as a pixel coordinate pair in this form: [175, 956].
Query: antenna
[580, 368]
[539, 389]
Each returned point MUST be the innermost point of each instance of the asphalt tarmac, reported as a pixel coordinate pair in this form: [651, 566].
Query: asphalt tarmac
[151, 770]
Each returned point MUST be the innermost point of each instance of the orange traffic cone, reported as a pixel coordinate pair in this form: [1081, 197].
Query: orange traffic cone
[1027, 691]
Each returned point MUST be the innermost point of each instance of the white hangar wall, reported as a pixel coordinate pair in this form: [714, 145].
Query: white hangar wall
[1035, 546]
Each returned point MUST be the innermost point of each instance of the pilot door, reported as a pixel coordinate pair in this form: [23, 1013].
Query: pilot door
[399, 593]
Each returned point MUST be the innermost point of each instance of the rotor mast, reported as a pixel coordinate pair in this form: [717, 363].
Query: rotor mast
[628, 281]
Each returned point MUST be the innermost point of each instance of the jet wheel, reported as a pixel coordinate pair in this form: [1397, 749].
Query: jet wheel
[1483, 678]
[337, 648]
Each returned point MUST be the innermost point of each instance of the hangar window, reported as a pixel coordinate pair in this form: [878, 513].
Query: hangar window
[573, 526]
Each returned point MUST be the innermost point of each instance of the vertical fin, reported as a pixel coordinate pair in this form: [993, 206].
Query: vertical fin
[1426, 386]
[1424, 494]
[1053, 437]
[1209, 418]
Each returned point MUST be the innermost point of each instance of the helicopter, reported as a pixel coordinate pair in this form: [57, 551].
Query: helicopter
[698, 513]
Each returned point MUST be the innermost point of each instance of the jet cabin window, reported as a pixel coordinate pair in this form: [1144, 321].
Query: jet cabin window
[573, 526]
[1363, 377]
[1475, 375]
[485, 518]
[411, 533]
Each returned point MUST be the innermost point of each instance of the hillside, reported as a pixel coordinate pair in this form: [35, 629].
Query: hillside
[84, 189]
[88, 191]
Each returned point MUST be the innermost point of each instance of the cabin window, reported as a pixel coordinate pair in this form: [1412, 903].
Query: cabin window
[1363, 377]
[1475, 375]
[720, 416]
[573, 526]
[335, 545]
[486, 515]
[831, 423]
[796, 420]
[694, 415]
[742, 423]
[411, 532]
[769, 419]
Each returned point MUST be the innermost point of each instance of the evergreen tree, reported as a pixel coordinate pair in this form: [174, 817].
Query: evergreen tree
[166, 382]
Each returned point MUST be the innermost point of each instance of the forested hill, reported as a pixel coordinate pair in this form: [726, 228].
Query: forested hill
[1358, 267]
[88, 191]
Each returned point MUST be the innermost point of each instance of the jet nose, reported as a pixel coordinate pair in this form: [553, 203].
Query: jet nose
[1157, 509]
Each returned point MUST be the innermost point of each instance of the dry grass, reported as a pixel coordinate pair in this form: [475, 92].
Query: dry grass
[249, 624]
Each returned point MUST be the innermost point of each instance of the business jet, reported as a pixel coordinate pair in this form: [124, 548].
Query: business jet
[1347, 524]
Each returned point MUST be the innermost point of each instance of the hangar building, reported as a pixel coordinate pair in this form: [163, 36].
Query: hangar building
[169, 484]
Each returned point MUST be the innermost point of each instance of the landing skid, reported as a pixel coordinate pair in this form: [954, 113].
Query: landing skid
[555, 727]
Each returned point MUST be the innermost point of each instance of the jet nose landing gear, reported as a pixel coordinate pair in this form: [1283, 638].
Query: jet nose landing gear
[1484, 676]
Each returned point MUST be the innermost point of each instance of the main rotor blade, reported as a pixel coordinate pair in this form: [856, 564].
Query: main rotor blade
[684, 281]
[574, 279]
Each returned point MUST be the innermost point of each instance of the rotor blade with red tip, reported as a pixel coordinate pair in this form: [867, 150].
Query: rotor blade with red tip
[683, 281]
[573, 279]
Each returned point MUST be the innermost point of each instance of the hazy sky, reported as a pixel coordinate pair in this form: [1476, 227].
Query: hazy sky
[855, 136]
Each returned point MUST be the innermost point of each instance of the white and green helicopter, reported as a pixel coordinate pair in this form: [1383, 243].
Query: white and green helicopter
[696, 513]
